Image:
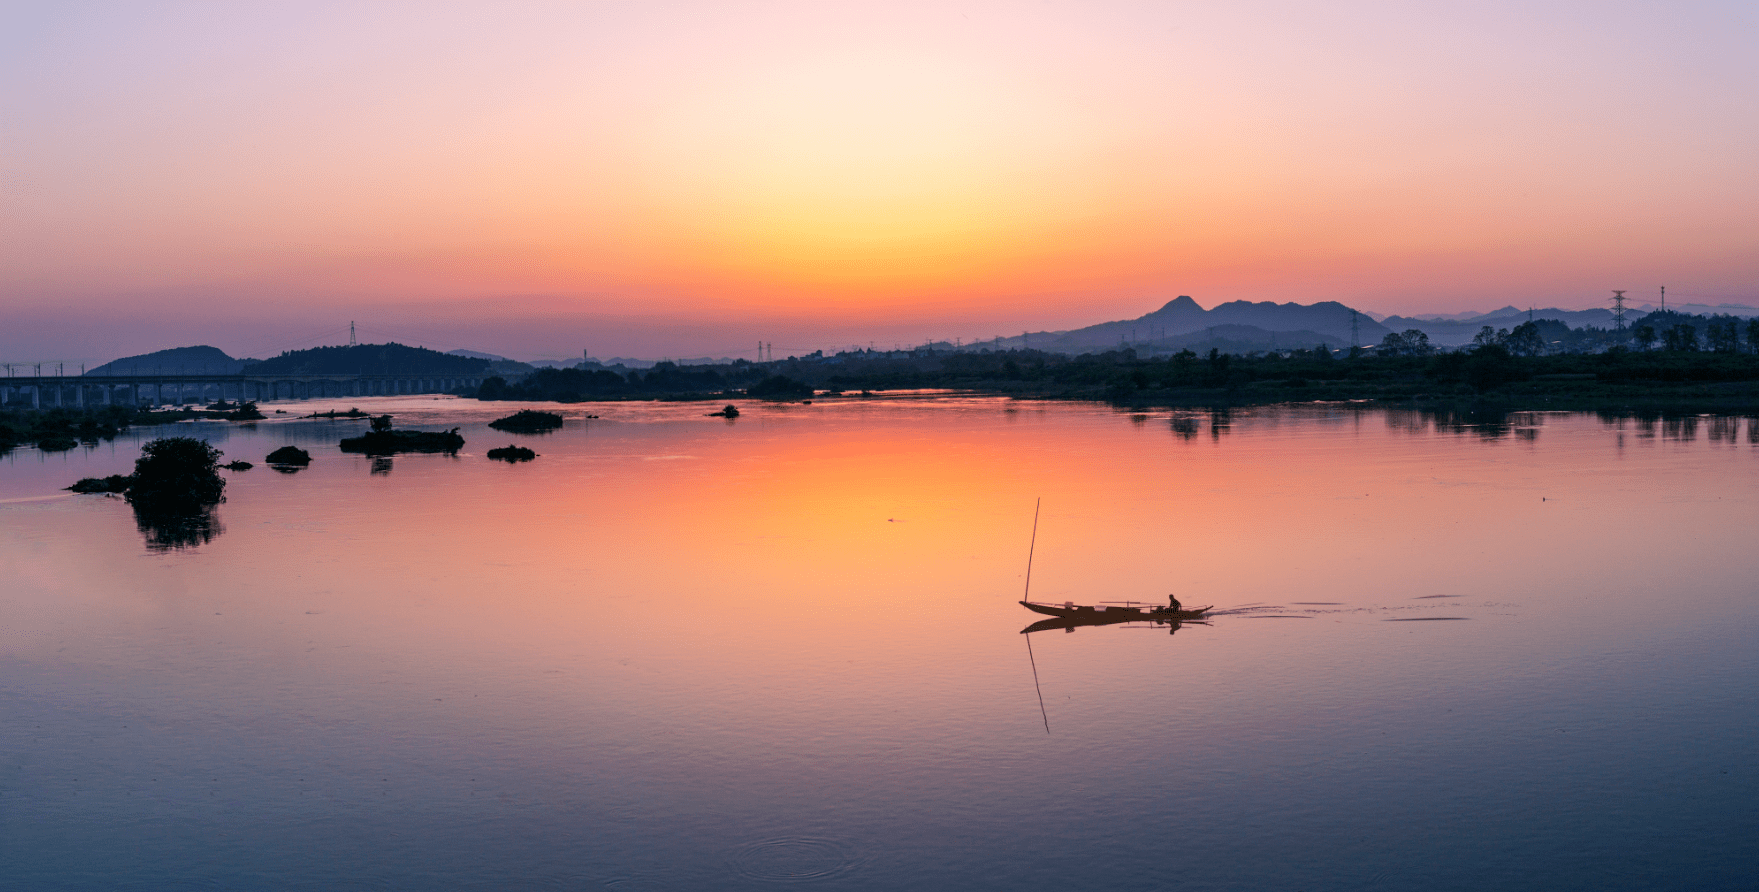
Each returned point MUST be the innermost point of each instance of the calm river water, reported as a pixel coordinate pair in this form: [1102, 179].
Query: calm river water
[681, 652]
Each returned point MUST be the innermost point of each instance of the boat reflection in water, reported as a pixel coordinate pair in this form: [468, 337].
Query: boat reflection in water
[1069, 616]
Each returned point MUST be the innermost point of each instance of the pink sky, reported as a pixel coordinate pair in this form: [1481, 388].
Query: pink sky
[668, 179]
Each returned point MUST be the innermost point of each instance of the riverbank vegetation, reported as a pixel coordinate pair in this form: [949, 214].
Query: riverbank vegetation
[54, 430]
[1508, 368]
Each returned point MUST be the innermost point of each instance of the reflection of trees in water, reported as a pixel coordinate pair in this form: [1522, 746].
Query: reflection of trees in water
[176, 524]
[1723, 428]
[1220, 418]
[1409, 421]
[381, 465]
[1490, 423]
[1484, 423]
[1682, 426]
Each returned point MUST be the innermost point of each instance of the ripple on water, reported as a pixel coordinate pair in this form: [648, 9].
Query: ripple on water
[635, 884]
[796, 859]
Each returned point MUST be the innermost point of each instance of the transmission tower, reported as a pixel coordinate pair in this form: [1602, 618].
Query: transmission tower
[351, 341]
[1618, 311]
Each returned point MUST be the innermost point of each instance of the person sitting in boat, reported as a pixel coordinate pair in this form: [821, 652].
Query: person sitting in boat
[1173, 605]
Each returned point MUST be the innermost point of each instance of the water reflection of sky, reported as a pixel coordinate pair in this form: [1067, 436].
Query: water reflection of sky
[681, 652]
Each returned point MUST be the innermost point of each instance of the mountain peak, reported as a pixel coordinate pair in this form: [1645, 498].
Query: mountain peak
[1181, 304]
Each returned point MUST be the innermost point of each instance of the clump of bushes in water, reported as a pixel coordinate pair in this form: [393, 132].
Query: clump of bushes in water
[173, 490]
[116, 483]
[169, 472]
[731, 411]
[528, 421]
[175, 471]
[512, 454]
[170, 469]
[289, 455]
[780, 387]
[382, 440]
[238, 466]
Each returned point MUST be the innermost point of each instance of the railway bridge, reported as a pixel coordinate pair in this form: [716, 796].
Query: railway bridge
[76, 391]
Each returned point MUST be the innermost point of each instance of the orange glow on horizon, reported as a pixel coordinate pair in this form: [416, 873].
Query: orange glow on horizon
[816, 168]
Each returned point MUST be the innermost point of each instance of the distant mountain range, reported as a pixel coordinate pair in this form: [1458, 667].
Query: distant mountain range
[1236, 326]
[1242, 326]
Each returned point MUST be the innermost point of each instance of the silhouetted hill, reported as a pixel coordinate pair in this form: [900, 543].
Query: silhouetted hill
[1182, 322]
[202, 360]
[371, 359]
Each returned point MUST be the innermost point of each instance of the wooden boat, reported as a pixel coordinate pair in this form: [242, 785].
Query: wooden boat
[1128, 611]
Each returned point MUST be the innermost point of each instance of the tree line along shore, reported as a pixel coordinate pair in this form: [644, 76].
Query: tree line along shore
[1653, 380]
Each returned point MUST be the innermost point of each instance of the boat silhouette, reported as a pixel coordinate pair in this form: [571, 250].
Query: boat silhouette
[1070, 616]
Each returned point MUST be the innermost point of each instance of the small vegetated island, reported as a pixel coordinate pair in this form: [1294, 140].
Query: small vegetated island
[174, 488]
[512, 454]
[289, 456]
[528, 421]
[383, 440]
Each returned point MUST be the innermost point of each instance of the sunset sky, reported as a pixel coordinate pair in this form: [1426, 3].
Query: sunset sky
[676, 179]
